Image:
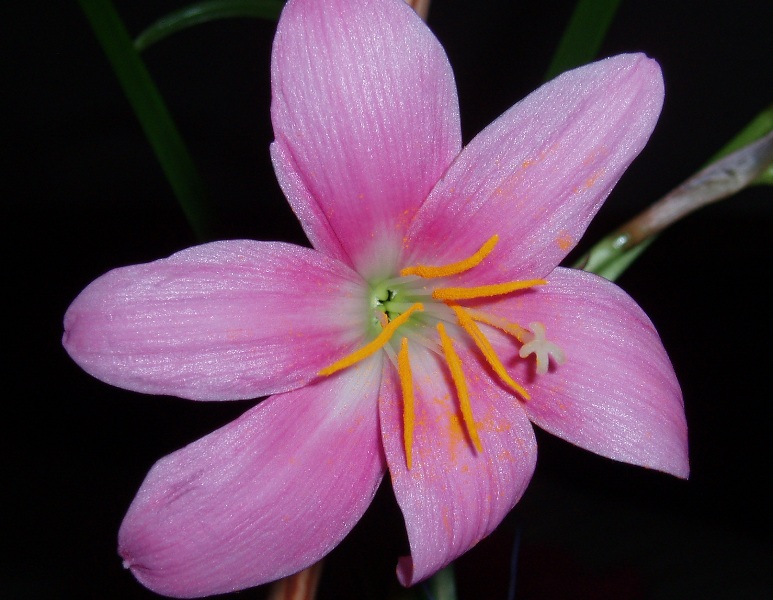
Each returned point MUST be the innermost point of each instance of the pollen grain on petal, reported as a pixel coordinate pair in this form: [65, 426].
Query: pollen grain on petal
[564, 241]
[454, 268]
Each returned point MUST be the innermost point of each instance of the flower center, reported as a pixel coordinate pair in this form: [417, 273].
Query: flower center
[421, 313]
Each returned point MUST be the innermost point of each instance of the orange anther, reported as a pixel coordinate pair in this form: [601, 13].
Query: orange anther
[406, 383]
[454, 268]
[484, 291]
[457, 376]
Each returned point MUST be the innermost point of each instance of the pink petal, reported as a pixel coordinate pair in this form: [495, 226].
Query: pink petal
[452, 497]
[366, 120]
[226, 320]
[262, 497]
[616, 394]
[538, 174]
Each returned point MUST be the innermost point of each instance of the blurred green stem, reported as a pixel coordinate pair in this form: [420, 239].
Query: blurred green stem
[442, 585]
[152, 113]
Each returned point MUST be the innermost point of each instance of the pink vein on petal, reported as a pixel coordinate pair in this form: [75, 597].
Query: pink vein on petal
[265, 496]
[221, 321]
[539, 173]
[366, 120]
[616, 394]
[453, 496]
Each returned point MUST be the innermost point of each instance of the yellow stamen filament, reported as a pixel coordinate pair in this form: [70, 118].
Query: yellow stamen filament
[521, 334]
[487, 349]
[454, 268]
[373, 346]
[455, 366]
[406, 383]
[484, 291]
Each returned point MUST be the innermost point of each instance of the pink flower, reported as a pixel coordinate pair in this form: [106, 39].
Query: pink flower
[423, 334]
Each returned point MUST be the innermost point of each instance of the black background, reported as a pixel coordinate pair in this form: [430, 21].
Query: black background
[86, 195]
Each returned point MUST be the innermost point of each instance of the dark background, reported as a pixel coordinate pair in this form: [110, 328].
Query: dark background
[86, 195]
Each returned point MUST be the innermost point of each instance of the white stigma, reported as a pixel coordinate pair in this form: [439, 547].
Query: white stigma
[542, 349]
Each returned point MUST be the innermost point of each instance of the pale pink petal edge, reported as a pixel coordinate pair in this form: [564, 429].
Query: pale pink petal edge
[617, 393]
[453, 496]
[538, 174]
[366, 120]
[226, 320]
[263, 497]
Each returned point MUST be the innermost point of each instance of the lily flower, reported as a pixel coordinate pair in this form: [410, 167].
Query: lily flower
[422, 335]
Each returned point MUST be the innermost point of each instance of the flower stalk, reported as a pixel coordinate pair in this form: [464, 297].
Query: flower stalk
[302, 585]
[719, 180]
[421, 7]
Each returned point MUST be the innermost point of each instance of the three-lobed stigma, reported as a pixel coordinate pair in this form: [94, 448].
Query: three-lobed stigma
[404, 304]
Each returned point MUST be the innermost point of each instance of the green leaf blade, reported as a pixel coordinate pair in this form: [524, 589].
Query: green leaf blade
[583, 35]
[152, 113]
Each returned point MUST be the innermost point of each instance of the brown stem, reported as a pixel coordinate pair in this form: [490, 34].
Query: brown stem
[420, 6]
[300, 586]
[717, 181]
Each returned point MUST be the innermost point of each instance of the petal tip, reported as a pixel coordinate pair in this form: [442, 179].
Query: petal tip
[405, 574]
